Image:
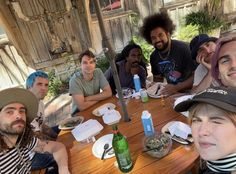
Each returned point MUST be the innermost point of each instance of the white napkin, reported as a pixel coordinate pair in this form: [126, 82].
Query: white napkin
[179, 129]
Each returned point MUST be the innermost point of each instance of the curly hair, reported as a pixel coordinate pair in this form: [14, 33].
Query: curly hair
[27, 137]
[161, 19]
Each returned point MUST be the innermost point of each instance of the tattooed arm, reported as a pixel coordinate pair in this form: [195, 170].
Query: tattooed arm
[59, 153]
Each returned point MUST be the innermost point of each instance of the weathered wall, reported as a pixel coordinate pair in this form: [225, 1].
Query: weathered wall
[13, 69]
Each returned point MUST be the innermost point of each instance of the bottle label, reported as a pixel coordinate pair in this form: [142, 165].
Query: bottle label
[148, 127]
[125, 160]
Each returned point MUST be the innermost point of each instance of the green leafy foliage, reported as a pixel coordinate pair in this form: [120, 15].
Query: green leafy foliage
[186, 33]
[102, 63]
[55, 84]
[204, 21]
[147, 48]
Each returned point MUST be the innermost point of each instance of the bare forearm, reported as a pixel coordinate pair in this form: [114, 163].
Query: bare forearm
[98, 97]
[187, 84]
[86, 104]
[58, 151]
[205, 83]
[61, 157]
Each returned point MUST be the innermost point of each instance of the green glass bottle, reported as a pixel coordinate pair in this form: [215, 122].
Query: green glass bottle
[121, 149]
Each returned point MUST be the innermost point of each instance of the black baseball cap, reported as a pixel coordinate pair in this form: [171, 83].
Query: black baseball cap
[197, 41]
[221, 97]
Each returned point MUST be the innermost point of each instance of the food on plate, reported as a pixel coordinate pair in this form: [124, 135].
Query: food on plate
[72, 122]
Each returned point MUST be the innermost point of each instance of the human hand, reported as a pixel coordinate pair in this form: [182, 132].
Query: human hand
[134, 70]
[168, 90]
[206, 64]
[200, 56]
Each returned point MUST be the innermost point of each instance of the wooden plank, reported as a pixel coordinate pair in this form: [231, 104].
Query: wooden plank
[51, 63]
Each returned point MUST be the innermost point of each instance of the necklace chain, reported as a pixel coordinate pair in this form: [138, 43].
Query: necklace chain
[166, 57]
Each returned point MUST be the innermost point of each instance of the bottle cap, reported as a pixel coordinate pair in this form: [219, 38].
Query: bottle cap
[146, 114]
[136, 76]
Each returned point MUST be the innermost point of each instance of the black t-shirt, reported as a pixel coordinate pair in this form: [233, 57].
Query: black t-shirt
[177, 67]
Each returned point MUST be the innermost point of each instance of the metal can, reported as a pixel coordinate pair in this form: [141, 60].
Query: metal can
[144, 95]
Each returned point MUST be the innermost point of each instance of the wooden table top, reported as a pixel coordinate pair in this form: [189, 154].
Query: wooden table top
[180, 160]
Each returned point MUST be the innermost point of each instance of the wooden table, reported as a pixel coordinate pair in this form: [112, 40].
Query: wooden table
[181, 159]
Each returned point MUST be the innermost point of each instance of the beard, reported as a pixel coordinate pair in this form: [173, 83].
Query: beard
[9, 129]
[134, 64]
[164, 46]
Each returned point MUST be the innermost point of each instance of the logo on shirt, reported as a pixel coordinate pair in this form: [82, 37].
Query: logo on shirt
[167, 68]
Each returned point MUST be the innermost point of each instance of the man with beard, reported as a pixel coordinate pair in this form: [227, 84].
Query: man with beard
[171, 58]
[86, 83]
[127, 67]
[202, 49]
[18, 107]
[224, 62]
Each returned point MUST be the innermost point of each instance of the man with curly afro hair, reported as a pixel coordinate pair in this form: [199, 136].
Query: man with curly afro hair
[171, 59]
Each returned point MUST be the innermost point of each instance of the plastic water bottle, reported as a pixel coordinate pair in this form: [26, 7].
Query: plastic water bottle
[137, 84]
[144, 95]
[147, 123]
[121, 149]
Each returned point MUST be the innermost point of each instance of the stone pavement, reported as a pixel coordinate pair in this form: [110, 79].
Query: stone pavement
[58, 109]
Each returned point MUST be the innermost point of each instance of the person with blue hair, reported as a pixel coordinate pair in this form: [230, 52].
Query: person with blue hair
[37, 82]
[32, 77]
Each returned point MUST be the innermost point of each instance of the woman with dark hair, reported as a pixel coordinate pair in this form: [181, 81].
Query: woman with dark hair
[128, 63]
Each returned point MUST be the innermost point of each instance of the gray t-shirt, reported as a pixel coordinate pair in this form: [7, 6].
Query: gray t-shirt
[78, 85]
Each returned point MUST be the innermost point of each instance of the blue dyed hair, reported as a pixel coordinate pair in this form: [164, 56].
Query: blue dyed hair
[31, 78]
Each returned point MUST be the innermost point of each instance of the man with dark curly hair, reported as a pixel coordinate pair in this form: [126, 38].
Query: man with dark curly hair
[171, 58]
[18, 107]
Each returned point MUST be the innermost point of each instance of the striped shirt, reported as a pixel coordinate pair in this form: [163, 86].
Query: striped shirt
[11, 162]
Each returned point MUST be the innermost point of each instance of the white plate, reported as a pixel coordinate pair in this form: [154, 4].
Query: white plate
[165, 129]
[99, 144]
[152, 90]
[108, 105]
[125, 94]
[61, 126]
